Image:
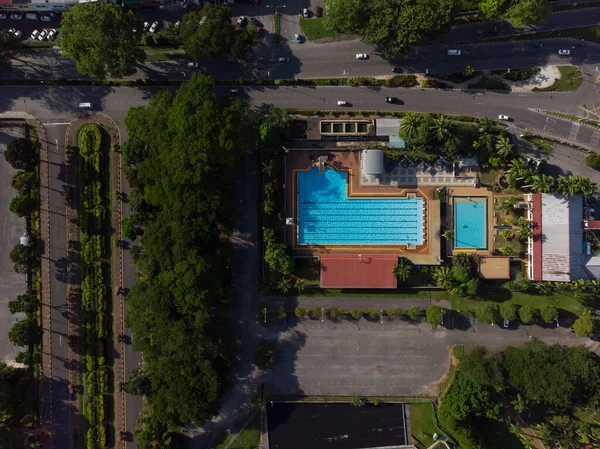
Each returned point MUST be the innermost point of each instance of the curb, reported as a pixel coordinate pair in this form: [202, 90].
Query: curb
[555, 115]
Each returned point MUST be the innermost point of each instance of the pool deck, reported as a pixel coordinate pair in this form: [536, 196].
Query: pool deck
[475, 192]
[348, 161]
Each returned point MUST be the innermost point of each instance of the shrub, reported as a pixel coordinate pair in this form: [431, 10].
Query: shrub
[434, 315]
[395, 313]
[414, 313]
[336, 314]
[356, 313]
[430, 83]
[527, 314]
[300, 312]
[508, 311]
[373, 313]
[487, 313]
[549, 314]
[316, 312]
[264, 357]
[584, 326]
[593, 160]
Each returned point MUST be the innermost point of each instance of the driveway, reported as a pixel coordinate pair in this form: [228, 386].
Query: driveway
[13, 284]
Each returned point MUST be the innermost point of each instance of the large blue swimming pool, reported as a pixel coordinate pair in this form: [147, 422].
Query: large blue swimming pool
[470, 222]
[326, 216]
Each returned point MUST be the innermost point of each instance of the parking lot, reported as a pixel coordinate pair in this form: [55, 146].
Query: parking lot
[11, 229]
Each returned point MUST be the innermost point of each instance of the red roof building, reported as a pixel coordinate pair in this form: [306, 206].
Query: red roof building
[358, 270]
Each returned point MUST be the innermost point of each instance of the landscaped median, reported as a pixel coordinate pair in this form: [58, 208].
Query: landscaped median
[94, 227]
[570, 79]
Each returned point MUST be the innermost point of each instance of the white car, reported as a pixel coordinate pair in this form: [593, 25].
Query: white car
[284, 59]
[154, 27]
[241, 21]
[362, 56]
[193, 65]
[45, 18]
[146, 25]
[298, 38]
[454, 52]
[342, 103]
[16, 16]
[564, 52]
[52, 34]
[2, 15]
[42, 35]
[305, 13]
[34, 34]
[14, 32]
[506, 324]
[503, 117]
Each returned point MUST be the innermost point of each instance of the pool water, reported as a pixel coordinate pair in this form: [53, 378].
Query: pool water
[326, 216]
[470, 223]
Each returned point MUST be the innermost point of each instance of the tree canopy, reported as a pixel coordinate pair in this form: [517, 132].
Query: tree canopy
[100, 38]
[209, 32]
[20, 154]
[482, 367]
[394, 26]
[193, 142]
[15, 402]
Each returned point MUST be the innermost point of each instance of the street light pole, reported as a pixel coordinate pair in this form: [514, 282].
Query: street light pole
[381, 313]
[322, 314]
[265, 321]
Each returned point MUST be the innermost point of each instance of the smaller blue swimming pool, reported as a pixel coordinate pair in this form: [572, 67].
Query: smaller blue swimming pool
[470, 222]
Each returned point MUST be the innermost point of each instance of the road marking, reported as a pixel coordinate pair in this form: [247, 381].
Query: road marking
[574, 131]
[56, 124]
[60, 340]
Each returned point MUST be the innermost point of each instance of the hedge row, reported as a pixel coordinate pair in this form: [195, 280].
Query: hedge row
[94, 284]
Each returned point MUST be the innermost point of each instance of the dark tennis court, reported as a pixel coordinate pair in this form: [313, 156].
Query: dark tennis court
[335, 426]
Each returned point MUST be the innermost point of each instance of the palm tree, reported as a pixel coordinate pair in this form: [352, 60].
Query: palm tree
[443, 277]
[284, 285]
[543, 184]
[516, 169]
[299, 286]
[409, 124]
[486, 125]
[584, 185]
[439, 126]
[504, 147]
[402, 270]
[563, 185]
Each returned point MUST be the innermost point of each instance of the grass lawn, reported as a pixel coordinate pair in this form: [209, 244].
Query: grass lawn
[249, 438]
[543, 145]
[488, 177]
[422, 424]
[405, 293]
[589, 33]
[315, 28]
[157, 56]
[570, 80]
[488, 83]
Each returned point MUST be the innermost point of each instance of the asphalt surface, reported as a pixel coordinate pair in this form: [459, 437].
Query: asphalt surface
[11, 229]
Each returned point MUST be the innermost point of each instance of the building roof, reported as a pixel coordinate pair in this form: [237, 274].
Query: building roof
[494, 267]
[358, 271]
[372, 162]
[387, 126]
[558, 253]
[396, 142]
[469, 162]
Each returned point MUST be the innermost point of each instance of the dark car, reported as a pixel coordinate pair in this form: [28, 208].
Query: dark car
[396, 69]
[538, 44]
[147, 9]
[255, 22]
[391, 100]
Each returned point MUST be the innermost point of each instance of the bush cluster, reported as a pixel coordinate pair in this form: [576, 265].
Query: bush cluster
[95, 284]
[593, 160]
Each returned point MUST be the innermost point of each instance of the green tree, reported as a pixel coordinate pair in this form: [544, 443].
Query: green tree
[440, 128]
[133, 150]
[507, 234]
[316, 313]
[336, 314]
[527, 314]
[466, 398]
[300, 286]
[584, 326]
[492, 9]
[482, 367]
[356, 313]
[130, 228]
[402, 270]
[138, 383]
[593, 160]
[395, 313]
[543, 184]
[26, 303]
[549, 314]
[504, 148]
[443, 277]
[100, 38]
[526, 12]
[508, 311]
[300, 312]
[25, 332]
[507, 250]
[209, 32]
[21, 154]
[487, 313]
[284, 285]
[278, 260]
[281, 313]
[434, 315]
[448, 234]
[264, 357]
[409, 124]
[414, 313]
[24, 257]
[347, 16]
[24, 182]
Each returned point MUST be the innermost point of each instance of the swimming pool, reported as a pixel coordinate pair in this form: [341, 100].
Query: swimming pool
[470, 222]
[326, 216]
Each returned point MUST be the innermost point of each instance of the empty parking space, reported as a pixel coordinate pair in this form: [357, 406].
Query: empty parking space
[335, 426]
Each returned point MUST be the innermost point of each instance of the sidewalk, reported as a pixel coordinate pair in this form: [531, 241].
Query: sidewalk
[344, 302]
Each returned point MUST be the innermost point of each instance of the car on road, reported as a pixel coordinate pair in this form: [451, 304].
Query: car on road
[342, 103]
[506, 324]
[16, 16]
[52, 34]
[255, 22]
[564, 52]
[538, 44]
[86, 105]
[146, 25]
[241, 21]
[362, 56]
[396, 69]
[533, 162]
[284, 59]
[391, 100]
[503, 117]
[15, 33]
[234, 90]
[42, 35]
[45, 18]
[2, 15]
[454, 52]
[193, 65]
[305, 13]
[298, 38]
[154, 27]
[34, 34]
